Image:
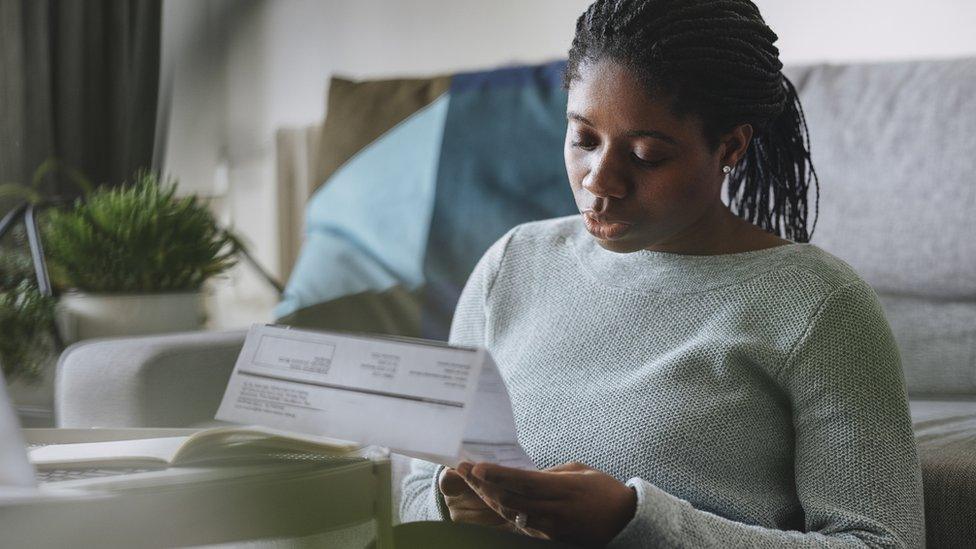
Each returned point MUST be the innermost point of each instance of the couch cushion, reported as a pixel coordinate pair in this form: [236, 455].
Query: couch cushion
[893, 145]
[366, 230]
[394, 233]
[946, 434]
[937, 340]
[361, 112]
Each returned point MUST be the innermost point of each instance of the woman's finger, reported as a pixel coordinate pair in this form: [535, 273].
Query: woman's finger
[489, 518]
[542, 520]
[514, 501]
[452, 484]
[494, 505]
[536, 525]
[535, 484]
[472, 502]
[570, 466]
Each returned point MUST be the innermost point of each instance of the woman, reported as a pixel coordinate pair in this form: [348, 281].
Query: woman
[724, 386]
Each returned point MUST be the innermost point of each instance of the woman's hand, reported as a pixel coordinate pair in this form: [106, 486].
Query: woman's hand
[569, 502]
[465, 505]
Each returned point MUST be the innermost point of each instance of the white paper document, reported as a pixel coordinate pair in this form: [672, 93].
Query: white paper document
[419, 398]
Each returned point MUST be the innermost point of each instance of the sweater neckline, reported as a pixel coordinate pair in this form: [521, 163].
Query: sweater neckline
[673, 273]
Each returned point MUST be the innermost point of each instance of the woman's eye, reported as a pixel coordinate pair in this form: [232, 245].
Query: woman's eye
[583, 144]
[648, 163]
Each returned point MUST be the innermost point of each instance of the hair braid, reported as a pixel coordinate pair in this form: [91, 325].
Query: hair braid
[717, 59]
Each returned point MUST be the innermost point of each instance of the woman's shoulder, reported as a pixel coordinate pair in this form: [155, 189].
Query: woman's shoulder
[826, 270]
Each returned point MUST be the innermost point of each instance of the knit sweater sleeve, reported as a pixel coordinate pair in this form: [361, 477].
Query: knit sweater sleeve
[856, 465]
[421, 499]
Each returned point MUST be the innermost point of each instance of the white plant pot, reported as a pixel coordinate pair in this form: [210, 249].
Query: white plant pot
[85, 316]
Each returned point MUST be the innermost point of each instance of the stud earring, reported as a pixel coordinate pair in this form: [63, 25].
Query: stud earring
[726, 169]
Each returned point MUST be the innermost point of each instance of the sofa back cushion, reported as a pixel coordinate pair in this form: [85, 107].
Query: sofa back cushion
[894, 145]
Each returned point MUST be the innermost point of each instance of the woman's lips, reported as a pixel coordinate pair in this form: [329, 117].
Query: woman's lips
[604, 229]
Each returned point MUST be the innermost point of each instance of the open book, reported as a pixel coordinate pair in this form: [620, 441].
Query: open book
[223, 444]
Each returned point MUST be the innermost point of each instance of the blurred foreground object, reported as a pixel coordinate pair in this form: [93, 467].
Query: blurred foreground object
[198, 505]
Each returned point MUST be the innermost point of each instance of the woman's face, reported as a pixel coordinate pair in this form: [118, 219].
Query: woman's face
[642, 178]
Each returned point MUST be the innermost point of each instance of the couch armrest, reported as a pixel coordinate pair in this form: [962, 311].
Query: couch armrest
[172, 380]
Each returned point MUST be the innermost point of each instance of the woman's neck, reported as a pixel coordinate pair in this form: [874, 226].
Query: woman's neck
[720, 231]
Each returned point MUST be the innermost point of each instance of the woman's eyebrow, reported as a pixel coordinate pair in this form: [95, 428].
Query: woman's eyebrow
[632, 133]
[571, 115]
[652, 133]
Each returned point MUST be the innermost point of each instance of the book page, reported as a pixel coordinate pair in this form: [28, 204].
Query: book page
[148, 452]
[228, 443]
[218, 445]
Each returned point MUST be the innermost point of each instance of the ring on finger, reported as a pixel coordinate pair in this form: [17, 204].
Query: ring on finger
[521, 520]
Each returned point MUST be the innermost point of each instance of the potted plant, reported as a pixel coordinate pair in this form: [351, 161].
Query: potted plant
[134, 259]
[28, 346]
[29, 342]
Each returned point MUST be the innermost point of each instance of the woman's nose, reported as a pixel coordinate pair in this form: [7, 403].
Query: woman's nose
[604, 179]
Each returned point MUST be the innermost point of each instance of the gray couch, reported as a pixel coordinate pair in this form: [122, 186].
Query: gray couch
[894, 145]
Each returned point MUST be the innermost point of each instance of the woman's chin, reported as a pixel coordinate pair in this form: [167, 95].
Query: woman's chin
[621, 245]
[616, 237]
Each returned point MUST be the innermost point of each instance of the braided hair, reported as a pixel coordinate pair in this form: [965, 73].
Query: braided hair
[716, 59]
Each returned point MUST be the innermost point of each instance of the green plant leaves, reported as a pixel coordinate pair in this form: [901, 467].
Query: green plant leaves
[26, 319]
[13, 190]
[141, 238]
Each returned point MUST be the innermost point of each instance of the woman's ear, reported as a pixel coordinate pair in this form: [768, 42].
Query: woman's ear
[735, 144]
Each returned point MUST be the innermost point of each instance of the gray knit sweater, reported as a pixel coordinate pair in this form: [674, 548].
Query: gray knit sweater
[752, 400]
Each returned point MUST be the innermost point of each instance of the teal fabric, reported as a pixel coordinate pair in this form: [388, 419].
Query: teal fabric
[501, 164]
[366, 229]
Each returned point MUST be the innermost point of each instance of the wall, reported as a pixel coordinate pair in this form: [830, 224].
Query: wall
[871, 30]
[237, 70]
